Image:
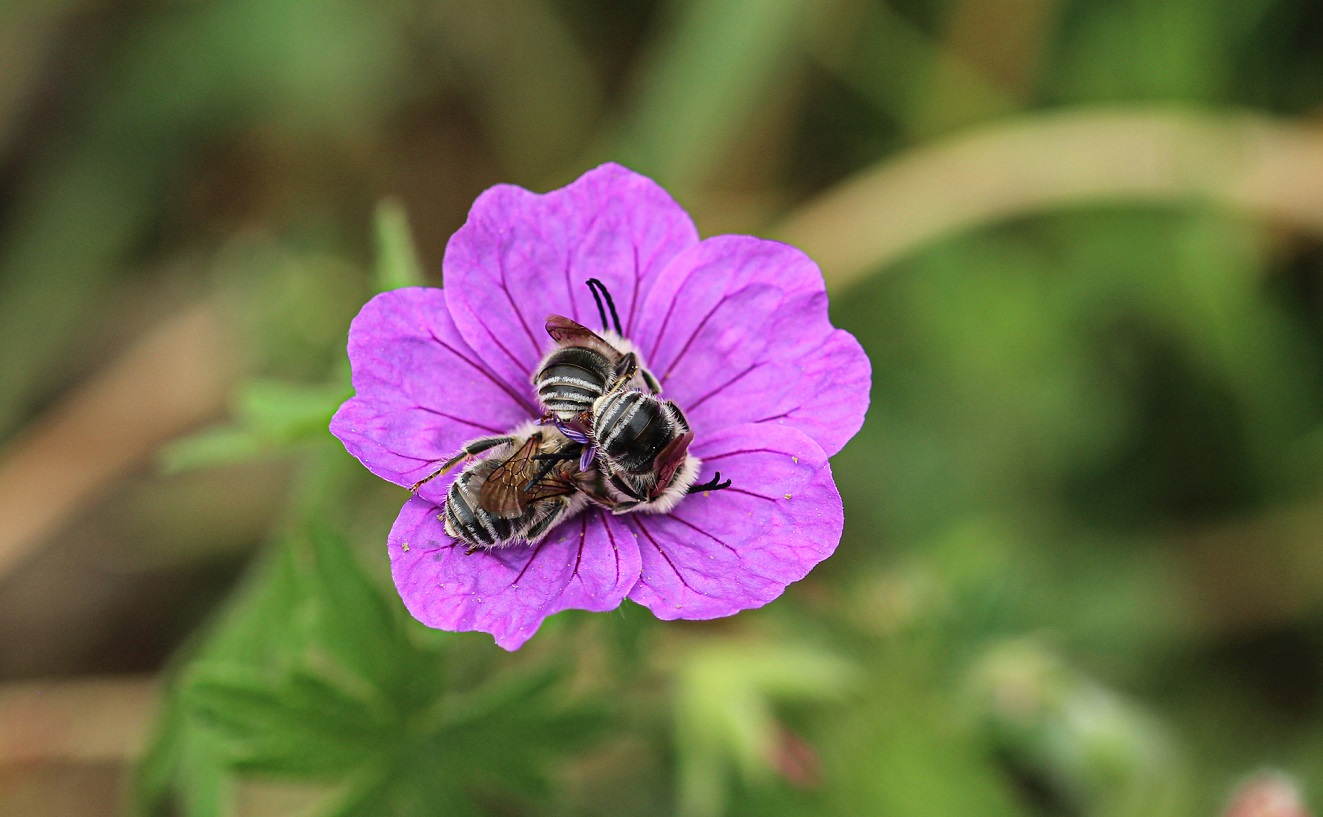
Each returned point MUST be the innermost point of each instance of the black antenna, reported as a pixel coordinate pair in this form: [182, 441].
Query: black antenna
[714, 484]
[595, 285]
[601, 310]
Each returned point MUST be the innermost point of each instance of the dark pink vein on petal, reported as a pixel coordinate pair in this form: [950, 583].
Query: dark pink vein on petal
[412, 457]
[436, 548]
[722, 456]
[780, 416]
[697, 529]
[735, 490]
[719, 389]
[670, 310]
[500, 266]
[678, 574]
[634, 296]
[697, 331]
[515, 396]
[614, 548]
[569, 285]
[528, 564]
[583, 534]
[486, 428]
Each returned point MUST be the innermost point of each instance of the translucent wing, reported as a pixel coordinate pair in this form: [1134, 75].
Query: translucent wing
[503, 495]
[568, 333]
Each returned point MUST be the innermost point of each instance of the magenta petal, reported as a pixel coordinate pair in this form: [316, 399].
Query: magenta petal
[522, 256]
[737, 329]
[823, 393]
[589, 563]
[724, 551]
[420, 391]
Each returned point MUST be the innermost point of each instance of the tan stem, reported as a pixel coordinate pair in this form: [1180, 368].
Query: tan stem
[87, 720]
[173, 379]
[1250, 163]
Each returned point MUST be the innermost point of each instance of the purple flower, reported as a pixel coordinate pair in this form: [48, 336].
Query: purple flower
[736, 329]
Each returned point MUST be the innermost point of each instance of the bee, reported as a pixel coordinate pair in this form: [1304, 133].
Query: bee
[528, 483]
[642, 448]
[585, 364]
[600, 395]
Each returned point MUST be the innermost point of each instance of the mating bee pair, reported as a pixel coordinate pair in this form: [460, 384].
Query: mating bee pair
[607, 438]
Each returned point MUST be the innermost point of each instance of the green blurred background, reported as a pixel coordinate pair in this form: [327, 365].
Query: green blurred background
[1081, 241]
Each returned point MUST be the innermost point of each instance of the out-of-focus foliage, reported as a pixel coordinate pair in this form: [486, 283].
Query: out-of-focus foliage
[1082, 573]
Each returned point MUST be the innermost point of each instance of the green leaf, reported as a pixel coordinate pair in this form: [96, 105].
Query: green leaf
[270, 416]
[476, 731]
[368, 634]
[183, 771]
[284, 411]
[724, 695]
[301, 725]
[397, 259]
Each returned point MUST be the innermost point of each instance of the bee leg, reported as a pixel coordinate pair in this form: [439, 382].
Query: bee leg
[624, 487]
[471, 449]
[714, 484]
[549, 462]
[625, 369]
[650, 381]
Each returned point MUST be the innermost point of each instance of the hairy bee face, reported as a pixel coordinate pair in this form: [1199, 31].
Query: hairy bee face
[528, 483]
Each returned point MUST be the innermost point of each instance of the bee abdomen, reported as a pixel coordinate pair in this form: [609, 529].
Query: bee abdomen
[571, 379]
[632, 429]
[469, 523]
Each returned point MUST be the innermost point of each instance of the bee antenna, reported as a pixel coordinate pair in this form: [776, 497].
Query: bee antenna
[595, 285]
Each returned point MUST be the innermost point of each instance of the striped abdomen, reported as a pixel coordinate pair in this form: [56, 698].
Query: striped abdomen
[570, 379]
[465, 520]
[631, 429]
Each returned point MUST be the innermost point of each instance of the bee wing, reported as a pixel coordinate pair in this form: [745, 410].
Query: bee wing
[569, 333]
[503, 495]
[670, 458]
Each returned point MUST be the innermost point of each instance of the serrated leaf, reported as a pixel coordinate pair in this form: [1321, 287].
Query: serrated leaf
[304, 726]
[178, 774]
[397, 261]
[363, 630]
[531, 706]
[183, 772]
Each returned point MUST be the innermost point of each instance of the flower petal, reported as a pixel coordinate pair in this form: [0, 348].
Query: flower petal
[420, 391]
[737, 329]
[522, 256]
[725, 551]
[823, 393]
[589, 562]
